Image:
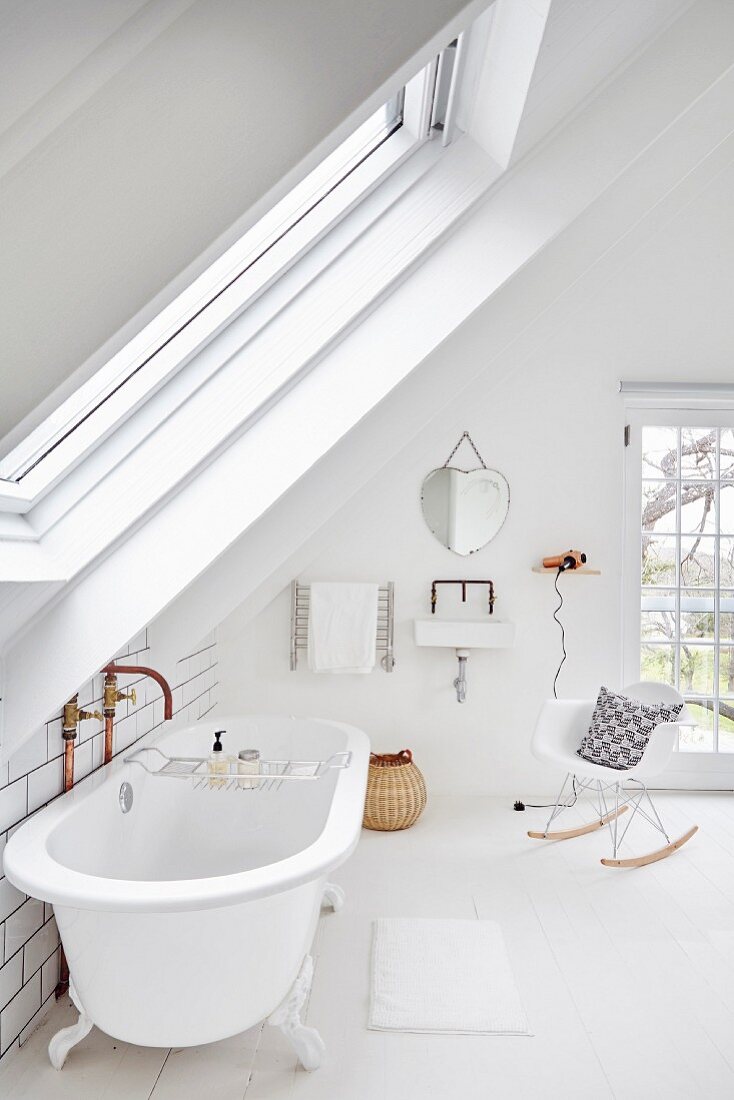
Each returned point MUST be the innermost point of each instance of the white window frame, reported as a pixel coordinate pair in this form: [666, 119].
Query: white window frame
[214, 300]
[685, 407]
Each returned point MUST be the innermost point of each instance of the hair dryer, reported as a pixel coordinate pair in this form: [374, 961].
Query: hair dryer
[572, 559]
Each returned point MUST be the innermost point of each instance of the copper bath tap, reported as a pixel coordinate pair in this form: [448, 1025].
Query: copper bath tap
[112, 696]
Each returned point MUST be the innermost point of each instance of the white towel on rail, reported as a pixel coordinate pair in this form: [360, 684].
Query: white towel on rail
[342, 627]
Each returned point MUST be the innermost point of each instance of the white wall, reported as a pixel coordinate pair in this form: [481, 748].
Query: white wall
[546, 413]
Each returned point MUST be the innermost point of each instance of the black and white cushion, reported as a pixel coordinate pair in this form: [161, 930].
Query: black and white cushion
[620, 729]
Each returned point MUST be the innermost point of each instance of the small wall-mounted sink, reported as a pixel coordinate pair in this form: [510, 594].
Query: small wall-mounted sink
[463, 635]
[487, 633]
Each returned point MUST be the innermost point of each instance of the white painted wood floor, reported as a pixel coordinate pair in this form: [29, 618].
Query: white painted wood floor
[627, 976]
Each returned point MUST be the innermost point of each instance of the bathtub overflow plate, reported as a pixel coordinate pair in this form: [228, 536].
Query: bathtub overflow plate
[126, 798]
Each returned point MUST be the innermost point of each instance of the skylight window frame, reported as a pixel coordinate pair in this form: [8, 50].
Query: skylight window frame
[228, 286]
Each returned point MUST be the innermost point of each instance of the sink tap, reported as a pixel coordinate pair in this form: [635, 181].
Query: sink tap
[491, 597]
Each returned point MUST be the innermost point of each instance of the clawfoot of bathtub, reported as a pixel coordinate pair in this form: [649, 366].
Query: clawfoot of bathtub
[333, 896]
[306, 1041]
[68, 1037]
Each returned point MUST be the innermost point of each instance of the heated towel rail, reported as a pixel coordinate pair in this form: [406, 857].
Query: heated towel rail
[300, 600]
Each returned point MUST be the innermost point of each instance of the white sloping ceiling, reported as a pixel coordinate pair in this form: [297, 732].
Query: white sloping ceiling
[62, 37]
[585, 42]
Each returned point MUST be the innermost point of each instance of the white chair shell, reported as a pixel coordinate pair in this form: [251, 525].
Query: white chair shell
[561, 725]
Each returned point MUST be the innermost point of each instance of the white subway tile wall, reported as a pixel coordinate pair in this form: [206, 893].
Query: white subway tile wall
[29, 940]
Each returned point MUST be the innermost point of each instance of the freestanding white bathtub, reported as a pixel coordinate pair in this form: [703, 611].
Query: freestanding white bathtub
[190, 918]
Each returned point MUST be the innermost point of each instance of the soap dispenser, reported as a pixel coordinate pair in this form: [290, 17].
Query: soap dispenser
[218, 763]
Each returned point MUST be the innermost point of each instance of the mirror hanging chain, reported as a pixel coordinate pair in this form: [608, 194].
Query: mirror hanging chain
[472, 444]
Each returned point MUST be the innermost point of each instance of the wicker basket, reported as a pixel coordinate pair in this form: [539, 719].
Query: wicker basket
[396, 792]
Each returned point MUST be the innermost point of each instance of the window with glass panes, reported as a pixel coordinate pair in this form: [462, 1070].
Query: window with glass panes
[687, 575]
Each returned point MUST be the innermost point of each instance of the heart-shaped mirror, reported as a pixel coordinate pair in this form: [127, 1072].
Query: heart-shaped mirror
[465, 508]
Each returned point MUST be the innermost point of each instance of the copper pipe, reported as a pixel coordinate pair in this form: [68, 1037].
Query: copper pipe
[109, 721]
[111, 698]
[72, 717]
[71, 723]
[63, 982]
[142, 670]
[68, 764]
[490, 584]
[69, 734]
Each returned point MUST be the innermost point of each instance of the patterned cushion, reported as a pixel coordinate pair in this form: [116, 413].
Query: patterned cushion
[620, 729]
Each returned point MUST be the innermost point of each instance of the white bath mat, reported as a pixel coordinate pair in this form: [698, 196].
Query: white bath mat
[443, 975]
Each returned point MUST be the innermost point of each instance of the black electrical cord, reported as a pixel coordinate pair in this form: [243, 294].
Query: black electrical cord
[563, 632]
[547, 805]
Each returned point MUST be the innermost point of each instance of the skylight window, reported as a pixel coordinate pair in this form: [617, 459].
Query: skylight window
[241, 274]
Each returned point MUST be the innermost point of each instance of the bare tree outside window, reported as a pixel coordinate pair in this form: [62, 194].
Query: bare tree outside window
[687, 560]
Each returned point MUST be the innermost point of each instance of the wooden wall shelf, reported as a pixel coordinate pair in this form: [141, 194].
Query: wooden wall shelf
[582, 569]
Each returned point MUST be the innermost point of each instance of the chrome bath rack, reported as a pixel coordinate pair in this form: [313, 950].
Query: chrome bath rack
[270, 776]
[300, 606]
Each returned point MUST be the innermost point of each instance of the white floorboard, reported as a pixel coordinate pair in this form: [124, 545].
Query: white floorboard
[627, 976]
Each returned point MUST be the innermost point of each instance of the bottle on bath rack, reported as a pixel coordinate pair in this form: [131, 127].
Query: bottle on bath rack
[218, 762]
[248, 763]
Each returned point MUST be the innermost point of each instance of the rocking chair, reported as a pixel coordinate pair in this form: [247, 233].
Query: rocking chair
[560, 727]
